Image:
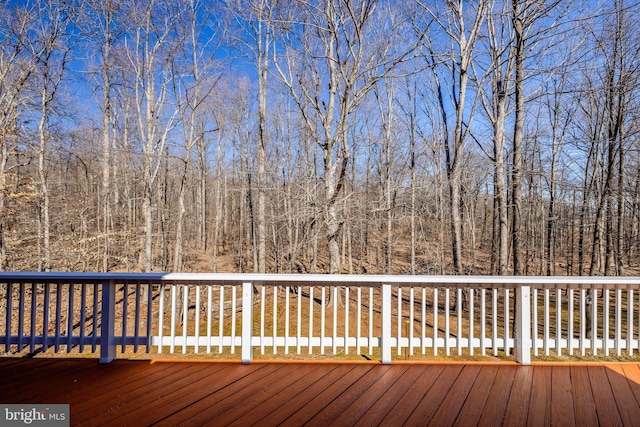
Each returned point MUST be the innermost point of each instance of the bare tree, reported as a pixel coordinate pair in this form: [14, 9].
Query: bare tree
[559, 117]
[526, 14]
[256, 21]
[612, 93]
[518, 136]
[332, 59]
[51, 50]
[148, 55]
[283, 157]
[17, 66]
[194, 78]
[386, 108]
[411, 108]
[453, 21]
[500, 71]
[102, 23]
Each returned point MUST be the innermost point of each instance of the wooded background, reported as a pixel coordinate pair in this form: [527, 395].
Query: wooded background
[418, 137]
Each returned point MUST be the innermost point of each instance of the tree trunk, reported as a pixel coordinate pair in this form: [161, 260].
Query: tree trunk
[263, 69]
[502, 226]
[106, 136]
[147, 205]
[621, 250]
[177, 251]
[412, 166]
[518, 138]
[44, 262]
[4, 152]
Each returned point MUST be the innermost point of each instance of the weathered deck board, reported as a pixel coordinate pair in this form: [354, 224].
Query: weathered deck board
[267, 394]
[517, 408]
[494, 409]
[562, 405]
[474, 406]
[625, 400]
[603, 396]
[584, 406]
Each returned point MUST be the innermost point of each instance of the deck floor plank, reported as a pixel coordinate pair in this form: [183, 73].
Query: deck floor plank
[495, 407]
[562, 405]
[452, 404]
[183, 394]
[125, 397]
[223, 399]
[317, 404]
[473, 407]
[410, 400]
[221, 393]
[254, 401]
[311, 389]
[86, 380]
[607, 409]
[539, 413]
[362, 402]
[520, 397]
[54, 375]
[434, 396]
[383, 406]
[277, 403]
[632, 373]
[13, 367]
[584, 405]
[624, 398]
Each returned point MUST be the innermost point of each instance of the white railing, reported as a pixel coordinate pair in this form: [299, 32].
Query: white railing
[311, 316]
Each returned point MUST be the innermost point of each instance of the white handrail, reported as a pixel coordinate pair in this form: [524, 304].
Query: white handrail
[342, 279]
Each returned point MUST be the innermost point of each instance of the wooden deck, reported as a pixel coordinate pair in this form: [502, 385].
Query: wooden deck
[127, 392]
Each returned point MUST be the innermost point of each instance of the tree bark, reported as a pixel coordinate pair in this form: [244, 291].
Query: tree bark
[518, 139]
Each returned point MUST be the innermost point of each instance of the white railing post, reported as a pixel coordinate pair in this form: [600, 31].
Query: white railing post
[107, 317]
[385, 344]
[247, 322]
[523, 325]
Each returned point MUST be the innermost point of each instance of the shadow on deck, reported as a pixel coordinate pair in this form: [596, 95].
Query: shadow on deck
[128, 392]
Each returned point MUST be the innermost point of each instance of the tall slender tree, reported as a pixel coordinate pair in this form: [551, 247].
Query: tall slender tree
[256, 22]
[331, 60]
[17, 67]
[51, 50]
[462, 29]
[194, 76]
[149, 59]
